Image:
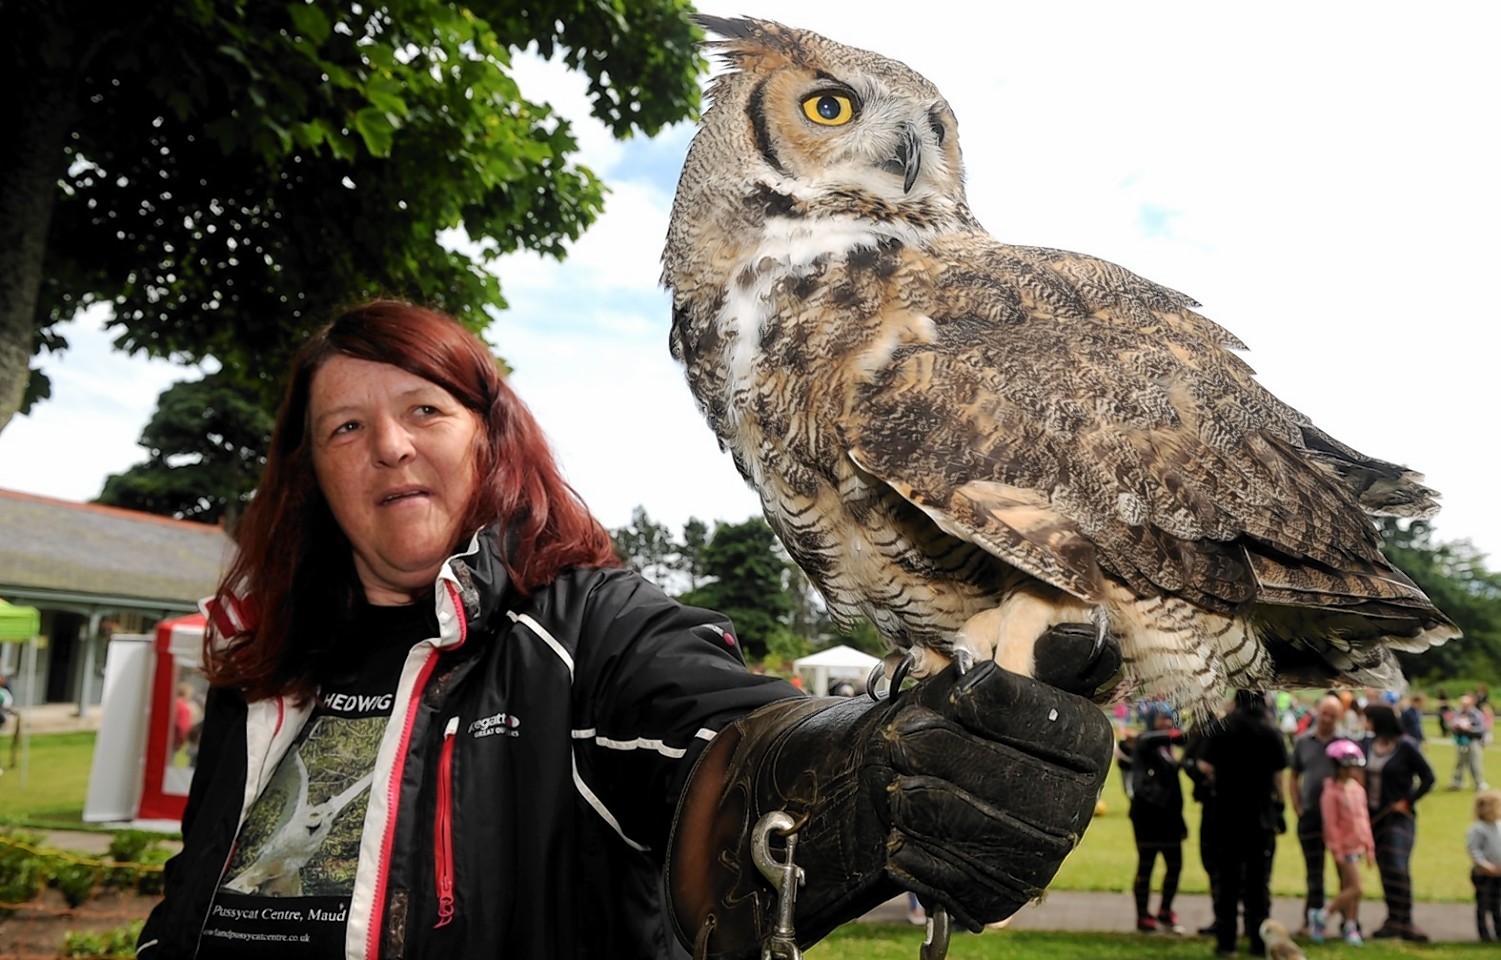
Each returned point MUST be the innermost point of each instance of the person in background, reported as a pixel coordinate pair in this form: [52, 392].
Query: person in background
[444, 722]
[1467, 727]
[1244, 759]
[1311, 766]
[1157, 818]
[1396, 777]
[1347, 835]
[1412, 720]
[183, 717]
[1204, 796]
[1483, 844]
[7, 703]
[1442, 709]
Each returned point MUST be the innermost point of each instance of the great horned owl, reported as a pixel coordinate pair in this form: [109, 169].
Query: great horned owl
[969, 442]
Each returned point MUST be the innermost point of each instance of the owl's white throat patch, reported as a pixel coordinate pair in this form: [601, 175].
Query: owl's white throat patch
[787, 250]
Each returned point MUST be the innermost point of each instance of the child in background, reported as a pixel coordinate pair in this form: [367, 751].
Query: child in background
[1347, 835]
[1483, 841]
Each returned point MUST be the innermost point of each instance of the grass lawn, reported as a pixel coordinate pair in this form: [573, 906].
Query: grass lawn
[57, 780]
[1106, 859]
[865, 941]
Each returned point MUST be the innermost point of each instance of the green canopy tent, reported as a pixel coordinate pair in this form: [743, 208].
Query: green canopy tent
[18, 623]
[21, 625]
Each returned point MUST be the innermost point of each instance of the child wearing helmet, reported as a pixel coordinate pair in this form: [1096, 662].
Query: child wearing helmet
[1347, 835]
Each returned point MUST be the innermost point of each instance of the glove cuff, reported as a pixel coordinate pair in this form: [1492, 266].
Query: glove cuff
[804, 757]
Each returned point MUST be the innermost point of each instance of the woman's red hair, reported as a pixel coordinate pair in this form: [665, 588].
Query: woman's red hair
[293, 579]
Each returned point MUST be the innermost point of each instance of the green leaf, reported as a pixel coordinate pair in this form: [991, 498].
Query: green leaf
[385, 93]
[375, 127]
[309, 21]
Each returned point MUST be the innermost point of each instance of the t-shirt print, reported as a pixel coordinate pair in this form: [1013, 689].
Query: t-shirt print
[290, 879]
[302, 837]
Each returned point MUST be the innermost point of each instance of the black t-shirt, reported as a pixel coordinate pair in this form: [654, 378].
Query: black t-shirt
[1246, 754]
[290, 878]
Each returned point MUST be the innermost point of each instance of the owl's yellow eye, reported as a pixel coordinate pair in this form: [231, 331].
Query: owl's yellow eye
[829, 109]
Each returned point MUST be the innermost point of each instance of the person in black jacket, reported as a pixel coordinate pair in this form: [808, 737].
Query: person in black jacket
[1397, 775]
[1157, 818]
[1244, 756]
[444, 723]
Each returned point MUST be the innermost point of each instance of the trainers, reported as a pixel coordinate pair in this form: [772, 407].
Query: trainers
[1316, 924]
[1146, 924]
[1352, 935]
[1167, 921]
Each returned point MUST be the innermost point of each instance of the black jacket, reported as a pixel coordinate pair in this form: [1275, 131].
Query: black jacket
[1406, 776]
[607, 689]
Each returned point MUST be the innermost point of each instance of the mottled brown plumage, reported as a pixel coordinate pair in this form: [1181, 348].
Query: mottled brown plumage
[969, 441]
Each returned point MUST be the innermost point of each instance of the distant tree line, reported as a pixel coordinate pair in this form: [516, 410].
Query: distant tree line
[1454, 575]
[741, 570]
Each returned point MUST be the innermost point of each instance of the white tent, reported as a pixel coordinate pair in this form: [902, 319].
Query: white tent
[826, 667]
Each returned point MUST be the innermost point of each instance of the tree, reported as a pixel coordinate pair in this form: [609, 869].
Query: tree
[226, 172]
[207, 444]
[1455, 578]
[646, 547]
[749, 585]
[691, 558]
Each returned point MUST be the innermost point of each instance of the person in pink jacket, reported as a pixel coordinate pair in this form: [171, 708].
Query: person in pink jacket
[1347, 835]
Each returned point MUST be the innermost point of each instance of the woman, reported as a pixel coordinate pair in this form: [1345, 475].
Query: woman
[1397, 776]
[444, 723]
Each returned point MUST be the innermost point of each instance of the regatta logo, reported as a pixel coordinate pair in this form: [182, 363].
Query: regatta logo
[501, 724]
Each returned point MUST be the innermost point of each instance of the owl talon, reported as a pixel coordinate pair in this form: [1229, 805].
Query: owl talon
[964, 660]
[899, 675]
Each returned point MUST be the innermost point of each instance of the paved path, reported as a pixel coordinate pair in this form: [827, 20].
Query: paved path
[1116, 913]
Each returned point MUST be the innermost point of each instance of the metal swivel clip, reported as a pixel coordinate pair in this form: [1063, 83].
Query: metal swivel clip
[786, 876]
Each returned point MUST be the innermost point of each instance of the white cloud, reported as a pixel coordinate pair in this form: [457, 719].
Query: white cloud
[101, 400]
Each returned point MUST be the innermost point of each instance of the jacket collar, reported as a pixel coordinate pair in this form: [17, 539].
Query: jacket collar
[479, 580]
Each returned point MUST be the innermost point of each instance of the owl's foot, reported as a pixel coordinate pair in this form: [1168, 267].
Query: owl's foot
[1079, 658]
[1048, 635]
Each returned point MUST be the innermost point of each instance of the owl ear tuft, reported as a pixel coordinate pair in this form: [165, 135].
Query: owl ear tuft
[747, 40]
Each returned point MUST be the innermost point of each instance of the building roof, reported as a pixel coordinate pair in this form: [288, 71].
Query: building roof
[84, 551]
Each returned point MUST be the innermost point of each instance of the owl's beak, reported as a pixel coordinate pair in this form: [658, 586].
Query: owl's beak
[908, 156]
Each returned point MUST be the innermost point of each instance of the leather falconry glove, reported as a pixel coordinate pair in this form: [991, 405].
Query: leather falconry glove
[969, 790]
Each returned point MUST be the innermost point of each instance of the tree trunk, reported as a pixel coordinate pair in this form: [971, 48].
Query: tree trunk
[40, 107]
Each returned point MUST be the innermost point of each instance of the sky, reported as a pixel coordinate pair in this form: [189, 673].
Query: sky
[1321, 177]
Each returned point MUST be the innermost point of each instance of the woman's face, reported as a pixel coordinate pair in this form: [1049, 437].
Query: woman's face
[394, 457]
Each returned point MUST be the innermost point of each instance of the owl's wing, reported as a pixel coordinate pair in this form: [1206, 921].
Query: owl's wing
[1072, 417]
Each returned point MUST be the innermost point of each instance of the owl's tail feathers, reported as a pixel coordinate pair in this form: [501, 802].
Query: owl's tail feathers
[1355, 602]
[1349, 647]
[1383, 489]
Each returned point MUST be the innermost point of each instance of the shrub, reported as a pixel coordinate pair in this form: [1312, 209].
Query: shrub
[151, 881]
[76, 881]
[22, 873]
[128, 845]
[120, 942]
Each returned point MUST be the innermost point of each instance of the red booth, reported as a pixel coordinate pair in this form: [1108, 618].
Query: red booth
[177, 689]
